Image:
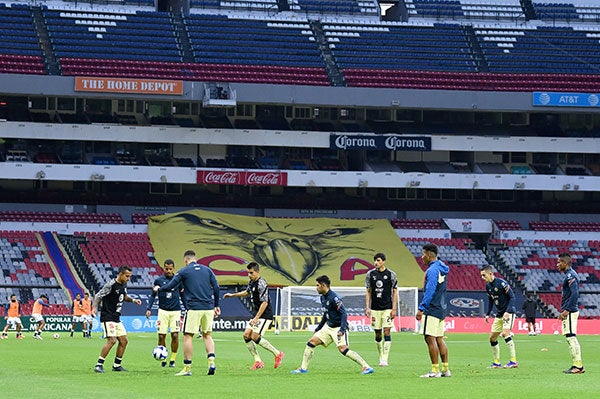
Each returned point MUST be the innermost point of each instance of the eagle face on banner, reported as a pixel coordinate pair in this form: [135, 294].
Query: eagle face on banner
[289, 251]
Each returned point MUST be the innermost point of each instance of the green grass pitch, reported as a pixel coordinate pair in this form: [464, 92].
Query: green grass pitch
[63, 368]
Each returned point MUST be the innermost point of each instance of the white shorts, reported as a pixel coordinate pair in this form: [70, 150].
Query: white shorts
[77, 319]
[86, 318]
[260, 327]
[13, 321]
[37, 317]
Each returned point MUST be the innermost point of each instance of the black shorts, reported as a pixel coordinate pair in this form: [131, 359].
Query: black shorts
[530, 320]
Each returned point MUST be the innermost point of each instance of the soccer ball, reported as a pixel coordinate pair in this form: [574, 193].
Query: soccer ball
[160, 353]
[56, 336]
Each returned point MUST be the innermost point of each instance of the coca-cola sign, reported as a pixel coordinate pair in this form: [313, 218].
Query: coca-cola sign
[252, 178]
[220, 177]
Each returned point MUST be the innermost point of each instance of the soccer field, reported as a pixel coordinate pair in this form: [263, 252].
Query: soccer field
[63, 368]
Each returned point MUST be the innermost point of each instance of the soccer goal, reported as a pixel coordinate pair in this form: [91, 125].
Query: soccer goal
[300, 308]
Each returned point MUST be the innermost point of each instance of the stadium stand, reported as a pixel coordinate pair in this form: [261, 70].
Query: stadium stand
[27, 273]
[106, 252]
[534, 264]
[60, 217]
[456, 253]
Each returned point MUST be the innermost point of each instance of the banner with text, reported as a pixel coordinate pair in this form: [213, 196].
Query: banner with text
[129, 85]
[289, 251]
[558, 99]
[242, 178]
[379, 142]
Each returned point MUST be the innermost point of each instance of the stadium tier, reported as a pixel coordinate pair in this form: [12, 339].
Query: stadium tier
[467, 53]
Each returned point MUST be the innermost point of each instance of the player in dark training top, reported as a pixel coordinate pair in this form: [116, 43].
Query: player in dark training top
[111, 297]
[501, 295]
[169, 311]
[570, 311]
[381, 304]
[258, 290]
[332, 328]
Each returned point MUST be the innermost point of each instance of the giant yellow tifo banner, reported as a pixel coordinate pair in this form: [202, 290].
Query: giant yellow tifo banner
[289, 251]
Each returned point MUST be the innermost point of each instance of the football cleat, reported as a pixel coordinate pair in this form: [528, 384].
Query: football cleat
[299, 371]
[383, 363]
[278, 360]
[172, 363]
[4, 336]
[163, 364]
[212, 369]
[575, 370]
[20, 336]
[257, 365]
[38, 337]
[431, 374]
[99, 368]
[367, 370]
[186, 372]
[119, 368]
[511, 365]
[495, 366]
[446, 373]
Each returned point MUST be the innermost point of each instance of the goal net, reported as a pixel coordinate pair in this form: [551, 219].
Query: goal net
[300, 308]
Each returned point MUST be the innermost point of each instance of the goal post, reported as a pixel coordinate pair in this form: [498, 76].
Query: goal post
[300, 308]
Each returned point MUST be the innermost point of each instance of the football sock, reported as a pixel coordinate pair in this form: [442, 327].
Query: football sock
[495, 351]
[211, 360]
[511, 348]
[308, 353]
[379, 348]
[118, 361]
[187, 364]
[387, 345]
[252, 349]
[435, 368]
[355, 357]
[575, 350]
[267, 345]
[173, 356]
[445, 367]
[100, 361]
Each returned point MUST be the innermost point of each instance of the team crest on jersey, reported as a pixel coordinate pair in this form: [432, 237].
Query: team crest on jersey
[496, 289]
[379, 284]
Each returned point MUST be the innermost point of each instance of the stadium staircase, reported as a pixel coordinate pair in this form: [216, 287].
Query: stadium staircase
[478, 57]
[183, 38]
[71, 245]
[514, 280]
[50, 61]
[283, 5]
[70, 281]
[336, 76]
[528, 9]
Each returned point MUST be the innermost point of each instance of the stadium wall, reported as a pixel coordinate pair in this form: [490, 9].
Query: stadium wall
[298, 95]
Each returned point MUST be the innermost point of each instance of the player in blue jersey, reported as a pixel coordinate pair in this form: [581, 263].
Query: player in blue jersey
[570, 311]
[501, 295]
[169, 311]
[433, 310]
[332, 328]
[201, 292]
[258, 290]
